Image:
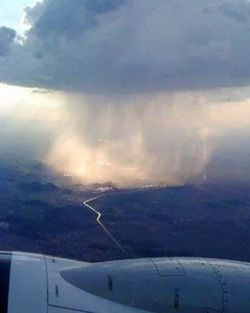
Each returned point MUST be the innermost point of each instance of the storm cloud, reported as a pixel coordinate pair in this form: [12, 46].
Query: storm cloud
[144, 91]
[131, 46]
[7, 36]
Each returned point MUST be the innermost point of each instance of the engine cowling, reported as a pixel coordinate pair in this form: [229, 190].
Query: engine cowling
[32, 283]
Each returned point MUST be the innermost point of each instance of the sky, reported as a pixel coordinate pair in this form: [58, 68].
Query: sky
[127, 90]
[11, 13]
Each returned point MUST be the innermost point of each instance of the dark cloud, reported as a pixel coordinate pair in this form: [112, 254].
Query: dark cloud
[67, 19]
[238, 13]
[7, 37]
[132, 46]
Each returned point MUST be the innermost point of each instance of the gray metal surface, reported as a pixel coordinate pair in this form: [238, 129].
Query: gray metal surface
[40, 284]
[186, 285]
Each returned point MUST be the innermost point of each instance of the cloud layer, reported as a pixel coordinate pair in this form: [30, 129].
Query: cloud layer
[7, 36]
[141, 84]
[130, 46]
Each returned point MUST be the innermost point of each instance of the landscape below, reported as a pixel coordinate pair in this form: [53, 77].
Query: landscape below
[44, 213]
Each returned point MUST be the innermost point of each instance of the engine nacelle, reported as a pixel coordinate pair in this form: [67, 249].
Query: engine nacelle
[32, 283]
